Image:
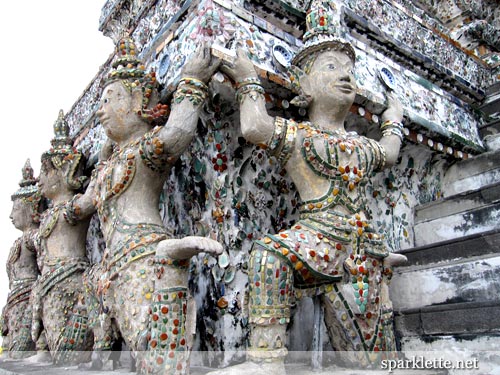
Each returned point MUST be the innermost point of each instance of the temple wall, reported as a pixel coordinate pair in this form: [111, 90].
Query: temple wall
[225, 188]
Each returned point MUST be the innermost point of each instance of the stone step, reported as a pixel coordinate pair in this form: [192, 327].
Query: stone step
[474, 245]
[447, 296]
[463, 214]
[461, 270]
[471, 280]
[472, 174]
[468, 320]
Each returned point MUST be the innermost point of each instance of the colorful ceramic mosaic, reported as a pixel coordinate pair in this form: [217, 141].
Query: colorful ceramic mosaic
[333, 237]
[167, 341]
[325, 243]
[16, 315]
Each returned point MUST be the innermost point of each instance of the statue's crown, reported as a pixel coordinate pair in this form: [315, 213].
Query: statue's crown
[126, 64]
[324, 31]
[128, 67]
[27, 186]
[61, 143]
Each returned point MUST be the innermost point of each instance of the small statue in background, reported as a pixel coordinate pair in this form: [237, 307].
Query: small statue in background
[59, 292]
[141, 285]
[22, 268]
[333, 252]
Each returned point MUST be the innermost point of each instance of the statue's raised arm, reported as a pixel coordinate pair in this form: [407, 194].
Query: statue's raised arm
[191, 93]
[256, 125]
[391, 128]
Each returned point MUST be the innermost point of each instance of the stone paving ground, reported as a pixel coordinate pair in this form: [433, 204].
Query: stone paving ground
[27, 366]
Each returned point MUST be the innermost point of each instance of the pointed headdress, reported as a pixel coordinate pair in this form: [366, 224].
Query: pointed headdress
[28, 191]
[129, 69]
[324, 32]
[62, 152]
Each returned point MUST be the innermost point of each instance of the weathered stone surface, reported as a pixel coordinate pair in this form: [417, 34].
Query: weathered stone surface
[223, 187]
[483, 348]
[463, 214]
[465, 280]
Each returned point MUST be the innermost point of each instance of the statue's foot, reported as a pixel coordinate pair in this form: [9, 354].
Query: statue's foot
[253, 368]
[100, 362]
[98, 365]
[40, 357]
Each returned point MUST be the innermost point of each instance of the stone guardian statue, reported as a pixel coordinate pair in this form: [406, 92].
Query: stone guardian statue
[59, 294]
[333, 251]
[22, 268]
[141, 285]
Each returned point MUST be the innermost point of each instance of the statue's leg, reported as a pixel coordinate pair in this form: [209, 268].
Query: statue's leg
[171, 315]
[65, 321]
[270, 280]
[151, 316]
[128, 299]
[270, 288]
[106, 339]
[4, 329]
[168, 352]
[42, 349]
[356, 320]
[387, 316]
[22, 345]
[53, 306]
[100, 323]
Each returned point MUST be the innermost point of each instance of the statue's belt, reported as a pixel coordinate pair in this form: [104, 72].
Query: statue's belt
[318, 245]
[140, 243]
[21, 292]
[59, 271]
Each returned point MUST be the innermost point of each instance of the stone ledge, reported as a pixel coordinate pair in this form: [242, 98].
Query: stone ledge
[474, 221]
[450, 319]
[476, 211]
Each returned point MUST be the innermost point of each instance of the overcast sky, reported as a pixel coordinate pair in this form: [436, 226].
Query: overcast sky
[50, 51]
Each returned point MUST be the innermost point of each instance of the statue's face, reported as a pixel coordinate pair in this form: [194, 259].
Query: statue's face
[331, 78]
[51, 180]
[118, 111]
[21, 214]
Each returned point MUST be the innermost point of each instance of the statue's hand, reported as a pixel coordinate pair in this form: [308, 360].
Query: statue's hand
[241, 68]
[106, 150]
[394, 111]
[36, 329]
[185, 248]
[393, 260]
[201, 64]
